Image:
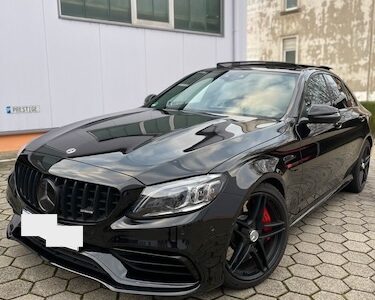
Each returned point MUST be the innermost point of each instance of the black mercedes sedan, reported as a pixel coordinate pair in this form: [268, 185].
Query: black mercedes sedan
[198, 187]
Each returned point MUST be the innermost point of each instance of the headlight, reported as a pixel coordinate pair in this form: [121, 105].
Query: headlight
[177, 197]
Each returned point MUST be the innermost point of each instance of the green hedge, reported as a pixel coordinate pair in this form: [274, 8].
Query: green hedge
[370, 105]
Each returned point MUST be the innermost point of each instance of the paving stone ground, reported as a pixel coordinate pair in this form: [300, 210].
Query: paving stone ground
[330, 255]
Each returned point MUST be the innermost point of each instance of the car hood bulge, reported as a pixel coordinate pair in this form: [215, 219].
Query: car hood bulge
[155, 146]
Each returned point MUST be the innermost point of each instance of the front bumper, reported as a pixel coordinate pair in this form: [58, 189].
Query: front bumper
[169, 257]
[98, 265]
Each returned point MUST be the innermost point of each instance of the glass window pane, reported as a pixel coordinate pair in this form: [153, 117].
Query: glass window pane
[153, 10]
[181, 14]
[236, 92]
[72, 8]
[203, 15]
[289, 50]
[341, 99]
[291, 4]
[213, 16]
[290, 57]
[97, 9]
[119, 10]
[317, 91]
[198, 15]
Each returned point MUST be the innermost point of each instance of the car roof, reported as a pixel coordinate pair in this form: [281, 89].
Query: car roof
[269, 65]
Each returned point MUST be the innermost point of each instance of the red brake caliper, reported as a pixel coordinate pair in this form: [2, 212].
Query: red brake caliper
[266, 219]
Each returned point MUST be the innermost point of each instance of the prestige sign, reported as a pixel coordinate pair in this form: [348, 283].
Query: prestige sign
[25, 109]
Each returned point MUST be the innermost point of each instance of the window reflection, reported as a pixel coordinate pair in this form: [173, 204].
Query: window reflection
[153, 10]
[152, 127]
[317, 92]
[234, 92]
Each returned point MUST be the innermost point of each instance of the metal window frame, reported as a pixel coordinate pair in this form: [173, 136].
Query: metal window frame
[150, 23]
[146, 24]
[283, 52]
[286, 8]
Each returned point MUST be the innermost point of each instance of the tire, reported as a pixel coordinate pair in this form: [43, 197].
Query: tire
[260, 261]
[360, 171]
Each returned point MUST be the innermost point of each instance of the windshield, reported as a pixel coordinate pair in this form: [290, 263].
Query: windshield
[233, 92]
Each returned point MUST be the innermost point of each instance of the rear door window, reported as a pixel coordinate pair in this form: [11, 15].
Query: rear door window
[339, 93]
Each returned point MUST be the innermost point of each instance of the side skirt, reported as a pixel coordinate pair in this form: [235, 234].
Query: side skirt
[325, 198]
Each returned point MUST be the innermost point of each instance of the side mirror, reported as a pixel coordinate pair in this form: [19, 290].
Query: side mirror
[149, 99]
[323, 113]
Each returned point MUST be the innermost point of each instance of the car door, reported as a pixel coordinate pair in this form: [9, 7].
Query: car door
[323, 146]
[351, 126]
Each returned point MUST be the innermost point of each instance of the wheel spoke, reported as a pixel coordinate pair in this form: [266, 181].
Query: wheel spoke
[258, 261]
[274, 224]
[276, 228]
[261, 256]
[259, 224]
[256, 214]
[239, 256]
[243, 223]
[367, 160]
[240, 234]
[272, 233]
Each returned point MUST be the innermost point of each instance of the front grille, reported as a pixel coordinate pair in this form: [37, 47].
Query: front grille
[78, 201]
[157, 267]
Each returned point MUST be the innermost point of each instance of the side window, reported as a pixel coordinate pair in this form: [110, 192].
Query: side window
[351, 99]
[316, 92]
[339, 95]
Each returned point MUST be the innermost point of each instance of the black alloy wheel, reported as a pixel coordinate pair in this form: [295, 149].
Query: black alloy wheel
[361, 170]
[365, 165]
[258, 240]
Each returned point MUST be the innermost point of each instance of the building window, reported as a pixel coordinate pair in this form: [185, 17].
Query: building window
[153, 13]
[203, 15]
[290, 4]
[290, 50]
[111, 10]
[187, 15]
[153, 10]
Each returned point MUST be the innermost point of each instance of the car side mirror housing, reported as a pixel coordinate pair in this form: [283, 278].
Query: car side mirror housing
[323, 113]
[149, 99]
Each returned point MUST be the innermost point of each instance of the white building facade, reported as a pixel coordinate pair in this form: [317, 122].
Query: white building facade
[67, 60]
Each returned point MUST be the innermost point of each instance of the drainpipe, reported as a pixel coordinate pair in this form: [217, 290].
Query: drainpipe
[370, 62]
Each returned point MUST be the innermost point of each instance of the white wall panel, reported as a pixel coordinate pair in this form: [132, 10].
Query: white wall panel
[164, 59]
[75, 70]
[224, 45]
[123, 67]
[74, 67]
[199, 52]
[23, 65]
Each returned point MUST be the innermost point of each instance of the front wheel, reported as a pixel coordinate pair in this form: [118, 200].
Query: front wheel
[258, 240]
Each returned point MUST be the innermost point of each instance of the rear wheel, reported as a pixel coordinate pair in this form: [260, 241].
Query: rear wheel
[361, 169]
[258, 240]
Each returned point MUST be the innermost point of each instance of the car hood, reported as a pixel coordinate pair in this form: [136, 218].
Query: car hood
[154, 145]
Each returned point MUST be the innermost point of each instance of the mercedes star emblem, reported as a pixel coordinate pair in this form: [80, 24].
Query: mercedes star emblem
[47, 195]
